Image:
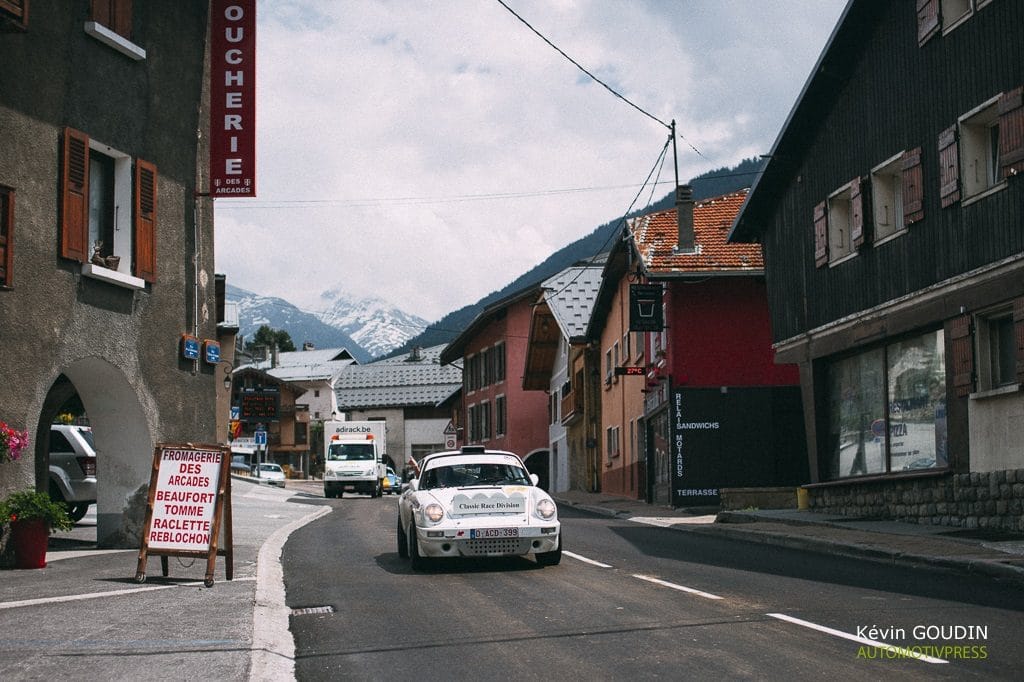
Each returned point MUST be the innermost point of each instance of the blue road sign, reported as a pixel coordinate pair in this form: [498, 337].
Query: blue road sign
[260, 437]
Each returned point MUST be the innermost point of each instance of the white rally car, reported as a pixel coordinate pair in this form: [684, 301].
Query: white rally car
[477, 503]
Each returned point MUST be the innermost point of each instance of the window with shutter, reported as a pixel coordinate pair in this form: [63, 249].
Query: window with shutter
[913, 187]
[145, 220]
[1011, 133]
[1018, 333]
[841, 216]
[820, 235]
[108, 213]
[887, 199]
[962, 348]
[74, 219]
[14, 12]
[114, 14]
[927, 20]
[949, 168]
[856, 214]
[6, 236]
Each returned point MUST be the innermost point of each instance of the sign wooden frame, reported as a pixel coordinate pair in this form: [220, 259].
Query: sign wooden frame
[195, 507]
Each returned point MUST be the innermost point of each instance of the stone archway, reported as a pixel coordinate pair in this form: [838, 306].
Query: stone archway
[124, 445]
[538, 462]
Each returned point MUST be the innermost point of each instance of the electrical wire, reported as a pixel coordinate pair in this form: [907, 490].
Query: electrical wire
[596, 79]
[580, 67]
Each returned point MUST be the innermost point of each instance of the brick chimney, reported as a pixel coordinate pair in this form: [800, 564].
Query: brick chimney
[684, 218]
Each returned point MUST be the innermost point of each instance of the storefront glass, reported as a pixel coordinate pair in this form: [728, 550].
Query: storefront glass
[887, 409]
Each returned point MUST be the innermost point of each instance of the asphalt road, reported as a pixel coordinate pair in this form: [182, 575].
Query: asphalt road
[631, 601]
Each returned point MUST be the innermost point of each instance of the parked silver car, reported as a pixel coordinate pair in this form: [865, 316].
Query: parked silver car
[73, 468]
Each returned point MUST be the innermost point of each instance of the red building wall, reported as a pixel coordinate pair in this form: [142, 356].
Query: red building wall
[527, 411]
[720, 334]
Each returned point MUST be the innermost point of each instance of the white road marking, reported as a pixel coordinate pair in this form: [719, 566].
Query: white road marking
[99, 595]
[669, 521]
[585, 560]
[681, 588]
[899, 651]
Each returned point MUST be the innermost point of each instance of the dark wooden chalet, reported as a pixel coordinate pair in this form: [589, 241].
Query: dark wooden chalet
[891, 215]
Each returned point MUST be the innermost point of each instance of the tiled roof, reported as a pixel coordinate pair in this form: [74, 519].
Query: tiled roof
[657, 234]
[570, 296]
[398, 382]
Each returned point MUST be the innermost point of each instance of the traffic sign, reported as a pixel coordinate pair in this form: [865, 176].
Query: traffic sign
[260, 437]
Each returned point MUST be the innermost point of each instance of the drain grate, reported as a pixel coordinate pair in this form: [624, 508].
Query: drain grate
[312, 609]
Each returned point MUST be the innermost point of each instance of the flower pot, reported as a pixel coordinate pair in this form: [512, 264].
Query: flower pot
[30, 538]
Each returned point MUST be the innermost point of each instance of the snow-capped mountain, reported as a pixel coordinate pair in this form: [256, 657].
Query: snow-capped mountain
[374, 324]
[368, 328]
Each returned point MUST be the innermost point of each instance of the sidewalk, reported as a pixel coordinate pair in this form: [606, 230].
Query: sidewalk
[891, 542]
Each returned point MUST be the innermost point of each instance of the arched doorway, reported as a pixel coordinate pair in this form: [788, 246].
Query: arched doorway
[123, 444]
[538, 462]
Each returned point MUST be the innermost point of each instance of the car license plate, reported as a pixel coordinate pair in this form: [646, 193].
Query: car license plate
[494, 533]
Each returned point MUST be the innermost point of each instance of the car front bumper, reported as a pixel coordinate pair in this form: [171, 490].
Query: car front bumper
[456, 542]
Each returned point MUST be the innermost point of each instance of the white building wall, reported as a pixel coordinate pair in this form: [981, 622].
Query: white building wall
[557, 440]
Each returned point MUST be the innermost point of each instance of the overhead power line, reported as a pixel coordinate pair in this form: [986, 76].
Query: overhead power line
[581, 68]
[670, 126]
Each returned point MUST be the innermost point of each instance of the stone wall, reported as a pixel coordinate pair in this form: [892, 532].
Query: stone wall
[991, 500]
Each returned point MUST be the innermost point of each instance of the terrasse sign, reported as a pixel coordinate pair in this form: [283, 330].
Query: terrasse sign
[233, 98]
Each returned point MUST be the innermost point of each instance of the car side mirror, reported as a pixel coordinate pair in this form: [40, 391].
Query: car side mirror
[413, 485]
[535, 478]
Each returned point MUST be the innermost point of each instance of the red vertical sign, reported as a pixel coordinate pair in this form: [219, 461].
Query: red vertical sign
[233, 98]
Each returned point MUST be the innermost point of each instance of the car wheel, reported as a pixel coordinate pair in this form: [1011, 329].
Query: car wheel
[418, 563]
[552, 558]
[77, 512]
[403, 542]
[340, 494]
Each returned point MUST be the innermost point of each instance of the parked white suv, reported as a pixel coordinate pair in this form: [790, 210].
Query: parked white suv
[72, 468]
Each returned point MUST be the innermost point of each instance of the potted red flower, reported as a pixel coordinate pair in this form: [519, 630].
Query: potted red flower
[32, 516]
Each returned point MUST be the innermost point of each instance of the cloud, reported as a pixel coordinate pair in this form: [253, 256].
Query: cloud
[412, 150]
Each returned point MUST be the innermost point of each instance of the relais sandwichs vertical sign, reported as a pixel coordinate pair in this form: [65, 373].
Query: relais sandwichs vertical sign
[233, 98]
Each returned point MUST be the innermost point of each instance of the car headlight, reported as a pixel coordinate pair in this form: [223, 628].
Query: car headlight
[433, 512]
[546, 509]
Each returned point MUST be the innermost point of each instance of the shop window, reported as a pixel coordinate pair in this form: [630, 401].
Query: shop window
[887, 409]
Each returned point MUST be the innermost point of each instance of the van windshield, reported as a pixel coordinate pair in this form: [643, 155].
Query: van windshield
[350, 452]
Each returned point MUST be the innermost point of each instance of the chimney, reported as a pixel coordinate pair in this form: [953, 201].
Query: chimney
[684, 219]
[308, 345]
[273, 356]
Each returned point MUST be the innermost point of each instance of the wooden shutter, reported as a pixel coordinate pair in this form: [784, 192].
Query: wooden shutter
[856, 214]
[114, 14]
[820, 235]
[74, 217]
[16, 11]
[6, 236]
[927, 20]
[913, 187]
[145, 220]
[962, 348]
[1018, 333]
[949, 167]
[1011, 133]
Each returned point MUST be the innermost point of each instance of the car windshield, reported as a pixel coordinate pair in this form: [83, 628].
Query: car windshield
[350, 452]
[474, 474]
[270, 467]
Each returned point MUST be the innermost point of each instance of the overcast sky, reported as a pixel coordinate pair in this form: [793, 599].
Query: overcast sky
[431, 152]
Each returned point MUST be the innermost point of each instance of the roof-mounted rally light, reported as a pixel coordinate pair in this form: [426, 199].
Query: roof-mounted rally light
[473, 449]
